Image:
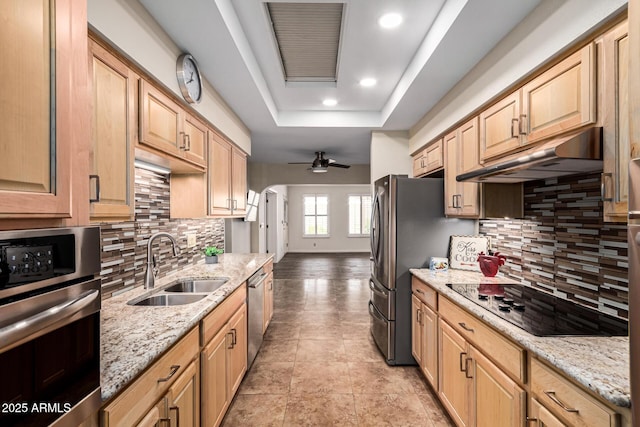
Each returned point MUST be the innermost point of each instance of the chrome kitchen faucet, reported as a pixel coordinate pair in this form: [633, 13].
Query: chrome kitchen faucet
[150, 274]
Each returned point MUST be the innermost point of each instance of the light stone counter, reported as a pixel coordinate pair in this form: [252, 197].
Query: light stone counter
[601, 364]
[132, 337]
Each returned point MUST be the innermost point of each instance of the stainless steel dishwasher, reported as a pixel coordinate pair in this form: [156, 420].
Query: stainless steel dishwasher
[255, 307]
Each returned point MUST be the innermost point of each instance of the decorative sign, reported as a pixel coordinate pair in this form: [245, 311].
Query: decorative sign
[465, 250]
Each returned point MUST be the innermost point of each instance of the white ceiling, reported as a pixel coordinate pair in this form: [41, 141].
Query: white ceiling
[415, 65]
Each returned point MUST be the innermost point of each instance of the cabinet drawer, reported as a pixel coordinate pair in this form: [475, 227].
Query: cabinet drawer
[268, 267]
[424, 292]
[566, 400]
[504, 352]
[222, 313]
[136, 400]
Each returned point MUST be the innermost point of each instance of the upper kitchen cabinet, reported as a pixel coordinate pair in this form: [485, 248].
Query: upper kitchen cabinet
[227, 177]
[562, 98]
[44, 94]
[167, 129]
[114, 130]
[559, 100]
[461, 155]
[500, 127]
[428, 160]
[615, 121]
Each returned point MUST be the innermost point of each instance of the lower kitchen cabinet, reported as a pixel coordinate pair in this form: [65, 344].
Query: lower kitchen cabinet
[424, 343]
[224, 357]
[539, 416]
[184, 395]
[164, 385]
[268, 302]
[455, 384]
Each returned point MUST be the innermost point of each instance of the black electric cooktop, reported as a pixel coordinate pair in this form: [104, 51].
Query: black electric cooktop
[540, 313]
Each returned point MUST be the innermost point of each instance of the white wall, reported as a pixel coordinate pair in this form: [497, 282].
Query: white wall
[551, 27]
[390, 154]
[130, 28]
[338, 220]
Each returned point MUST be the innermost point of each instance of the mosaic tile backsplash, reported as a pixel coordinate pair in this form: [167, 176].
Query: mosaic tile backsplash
[564, 246]
[124, 245]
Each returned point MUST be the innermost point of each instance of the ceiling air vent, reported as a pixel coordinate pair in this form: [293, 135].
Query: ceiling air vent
[308, 39]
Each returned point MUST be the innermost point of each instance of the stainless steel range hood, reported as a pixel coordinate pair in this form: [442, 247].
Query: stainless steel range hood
[579, 152]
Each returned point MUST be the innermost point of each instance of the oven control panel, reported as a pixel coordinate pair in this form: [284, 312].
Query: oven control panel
[27, 263]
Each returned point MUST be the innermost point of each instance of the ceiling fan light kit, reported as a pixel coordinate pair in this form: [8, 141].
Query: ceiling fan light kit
[321, 164]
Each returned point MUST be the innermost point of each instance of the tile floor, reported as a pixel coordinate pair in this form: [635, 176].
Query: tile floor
[318, 366]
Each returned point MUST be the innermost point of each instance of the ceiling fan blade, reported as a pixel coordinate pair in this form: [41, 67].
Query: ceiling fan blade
[298, 163]
[339, 165]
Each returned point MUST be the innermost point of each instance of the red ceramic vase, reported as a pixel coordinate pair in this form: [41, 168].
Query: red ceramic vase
[489, 264]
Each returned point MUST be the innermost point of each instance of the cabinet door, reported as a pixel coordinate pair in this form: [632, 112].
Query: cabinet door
[541, 417]
[455, 385]
[151, 419]
[430, 345]
[195, 140]
[113, 135]
[215, 395]
[184, 409]
[451, 154]
[419, 166]
[499, 127]
[160, 120]
[219, 176]
[35, 165]
[238, 352]
[416, 329]
[239, 182]
[499, 401]
[563, 97]
[469, 148]
[615, 177]
[433, 155]
[268, 302]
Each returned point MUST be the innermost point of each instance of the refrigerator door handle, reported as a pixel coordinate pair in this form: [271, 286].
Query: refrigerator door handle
[375, 290]
[375, 229]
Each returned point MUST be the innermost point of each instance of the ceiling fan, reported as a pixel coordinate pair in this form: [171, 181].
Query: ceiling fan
[321, 164]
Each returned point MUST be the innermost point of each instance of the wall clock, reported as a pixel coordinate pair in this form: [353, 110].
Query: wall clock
[189, 78]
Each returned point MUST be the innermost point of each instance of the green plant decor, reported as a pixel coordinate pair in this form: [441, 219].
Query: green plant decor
[212, 251]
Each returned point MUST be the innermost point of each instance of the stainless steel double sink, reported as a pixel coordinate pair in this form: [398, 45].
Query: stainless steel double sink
[181, 292]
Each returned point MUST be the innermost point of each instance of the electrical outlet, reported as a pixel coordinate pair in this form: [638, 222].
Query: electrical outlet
[191, 240]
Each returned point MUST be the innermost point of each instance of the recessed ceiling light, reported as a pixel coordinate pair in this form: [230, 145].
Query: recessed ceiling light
[368, 82]
[390, 20]
[329, 102]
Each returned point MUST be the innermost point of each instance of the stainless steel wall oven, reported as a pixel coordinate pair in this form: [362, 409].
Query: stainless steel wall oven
[49, 326]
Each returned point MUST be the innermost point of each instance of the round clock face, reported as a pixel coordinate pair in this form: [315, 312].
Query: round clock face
[189, 78]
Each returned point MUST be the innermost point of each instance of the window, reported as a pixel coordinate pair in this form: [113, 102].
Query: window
[316, 215]
[359, 215]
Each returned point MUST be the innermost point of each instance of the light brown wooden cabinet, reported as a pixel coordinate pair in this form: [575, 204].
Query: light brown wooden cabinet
[227, 178]
[183, 407]
[430, 159]
[562, 98]
[424, 343]
[462, 199]
[166, 128]
[114, 133]
[268, 301]
[615, 121]
[224, 356]
[500, 127]
[40, 149]
[158, 389]
[540, 416]
[455, 383]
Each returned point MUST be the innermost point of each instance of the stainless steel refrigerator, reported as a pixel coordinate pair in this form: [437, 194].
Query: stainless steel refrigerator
[408, 227]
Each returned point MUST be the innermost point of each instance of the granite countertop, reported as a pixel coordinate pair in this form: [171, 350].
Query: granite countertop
[601, 364]
[132, 337]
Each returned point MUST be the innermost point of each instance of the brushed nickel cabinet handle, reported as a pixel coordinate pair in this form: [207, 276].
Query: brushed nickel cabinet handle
[419, 316]
[234, 337]
[603, 187]
[552, 396]
[465, 327]
[523, 124]
[517, 122]
[97, 178]
[172, 372]
[184, 141]
[177, 409]
[466, 367]
[463, 365]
